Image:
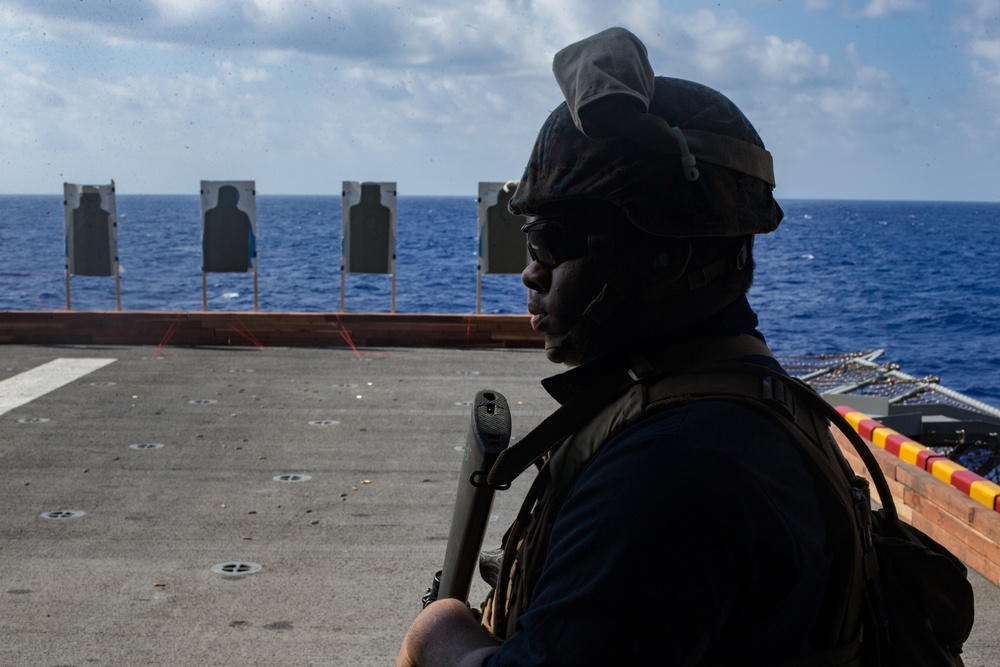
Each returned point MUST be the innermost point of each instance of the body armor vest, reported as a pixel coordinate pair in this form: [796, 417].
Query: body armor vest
[526, 542]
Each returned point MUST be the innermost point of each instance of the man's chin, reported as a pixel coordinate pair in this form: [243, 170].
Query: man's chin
[553, 348]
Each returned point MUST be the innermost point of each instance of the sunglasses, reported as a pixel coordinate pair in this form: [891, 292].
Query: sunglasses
[551, 243]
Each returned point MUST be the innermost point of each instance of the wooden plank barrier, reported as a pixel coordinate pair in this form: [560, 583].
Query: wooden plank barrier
[950, 503]
[267, 329]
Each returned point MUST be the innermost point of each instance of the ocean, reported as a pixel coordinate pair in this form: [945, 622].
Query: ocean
[917, 279]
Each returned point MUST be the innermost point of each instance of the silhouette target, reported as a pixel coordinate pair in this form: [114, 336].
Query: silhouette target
[91, 246]
[370, 232]
[228, 243]
[505, 250]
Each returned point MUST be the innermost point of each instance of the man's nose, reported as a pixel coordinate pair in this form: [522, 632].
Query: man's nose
[536, 277]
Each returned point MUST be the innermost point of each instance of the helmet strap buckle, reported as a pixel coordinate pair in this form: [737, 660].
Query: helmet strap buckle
[688, 162]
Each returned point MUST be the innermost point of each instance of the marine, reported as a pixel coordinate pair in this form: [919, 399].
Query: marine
[672, 520]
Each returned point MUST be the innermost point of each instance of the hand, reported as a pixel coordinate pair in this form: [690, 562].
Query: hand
[445, 634]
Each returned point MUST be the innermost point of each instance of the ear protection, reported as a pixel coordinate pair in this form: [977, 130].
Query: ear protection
[668, 259]
[650, 259]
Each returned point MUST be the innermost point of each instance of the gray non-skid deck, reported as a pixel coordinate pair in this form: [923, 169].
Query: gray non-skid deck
[171, 455]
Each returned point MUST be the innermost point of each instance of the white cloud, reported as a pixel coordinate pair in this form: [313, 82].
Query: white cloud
[792, 63]
[880, 9]
[243, 74]
[983, 12]
[25, 89]
[842, 112]
[868, 9]
[185, 12]
[986, 49]
[979, 25]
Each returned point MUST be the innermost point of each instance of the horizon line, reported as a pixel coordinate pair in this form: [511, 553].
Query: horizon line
[476, 196]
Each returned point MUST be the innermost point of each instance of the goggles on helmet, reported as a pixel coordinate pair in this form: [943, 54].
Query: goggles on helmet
[551, 242]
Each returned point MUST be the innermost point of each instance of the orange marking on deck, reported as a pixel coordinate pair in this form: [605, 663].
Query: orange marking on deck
[346, 336]
[248, 334]
[171, 330]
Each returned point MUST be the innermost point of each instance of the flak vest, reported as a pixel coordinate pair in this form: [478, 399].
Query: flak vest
[709, 372]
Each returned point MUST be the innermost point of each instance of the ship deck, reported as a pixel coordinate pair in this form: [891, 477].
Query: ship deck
[256, 504]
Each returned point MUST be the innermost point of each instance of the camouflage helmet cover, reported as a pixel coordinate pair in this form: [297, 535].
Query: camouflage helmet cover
[632, 167]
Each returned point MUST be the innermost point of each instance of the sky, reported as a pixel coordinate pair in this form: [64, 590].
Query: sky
[855, 99]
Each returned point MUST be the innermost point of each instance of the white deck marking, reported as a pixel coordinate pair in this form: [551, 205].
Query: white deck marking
[29, 385]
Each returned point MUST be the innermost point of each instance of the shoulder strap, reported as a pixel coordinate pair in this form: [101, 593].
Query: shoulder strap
[569, 418]
[819, 404]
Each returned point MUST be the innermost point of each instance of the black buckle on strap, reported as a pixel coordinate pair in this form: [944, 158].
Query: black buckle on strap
[775, 393]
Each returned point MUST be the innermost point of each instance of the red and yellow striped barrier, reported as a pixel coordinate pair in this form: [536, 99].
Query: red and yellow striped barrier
[963, 514]
[975, 486]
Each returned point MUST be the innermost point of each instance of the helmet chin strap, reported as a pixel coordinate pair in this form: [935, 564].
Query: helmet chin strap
[553, 347]
[571, 347]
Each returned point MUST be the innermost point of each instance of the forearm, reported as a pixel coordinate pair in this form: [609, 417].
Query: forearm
[445, 634]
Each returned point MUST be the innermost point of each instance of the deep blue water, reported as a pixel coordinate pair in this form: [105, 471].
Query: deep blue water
[918, 279]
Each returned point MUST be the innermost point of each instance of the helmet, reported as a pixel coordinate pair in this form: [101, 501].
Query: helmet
[679, 158]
